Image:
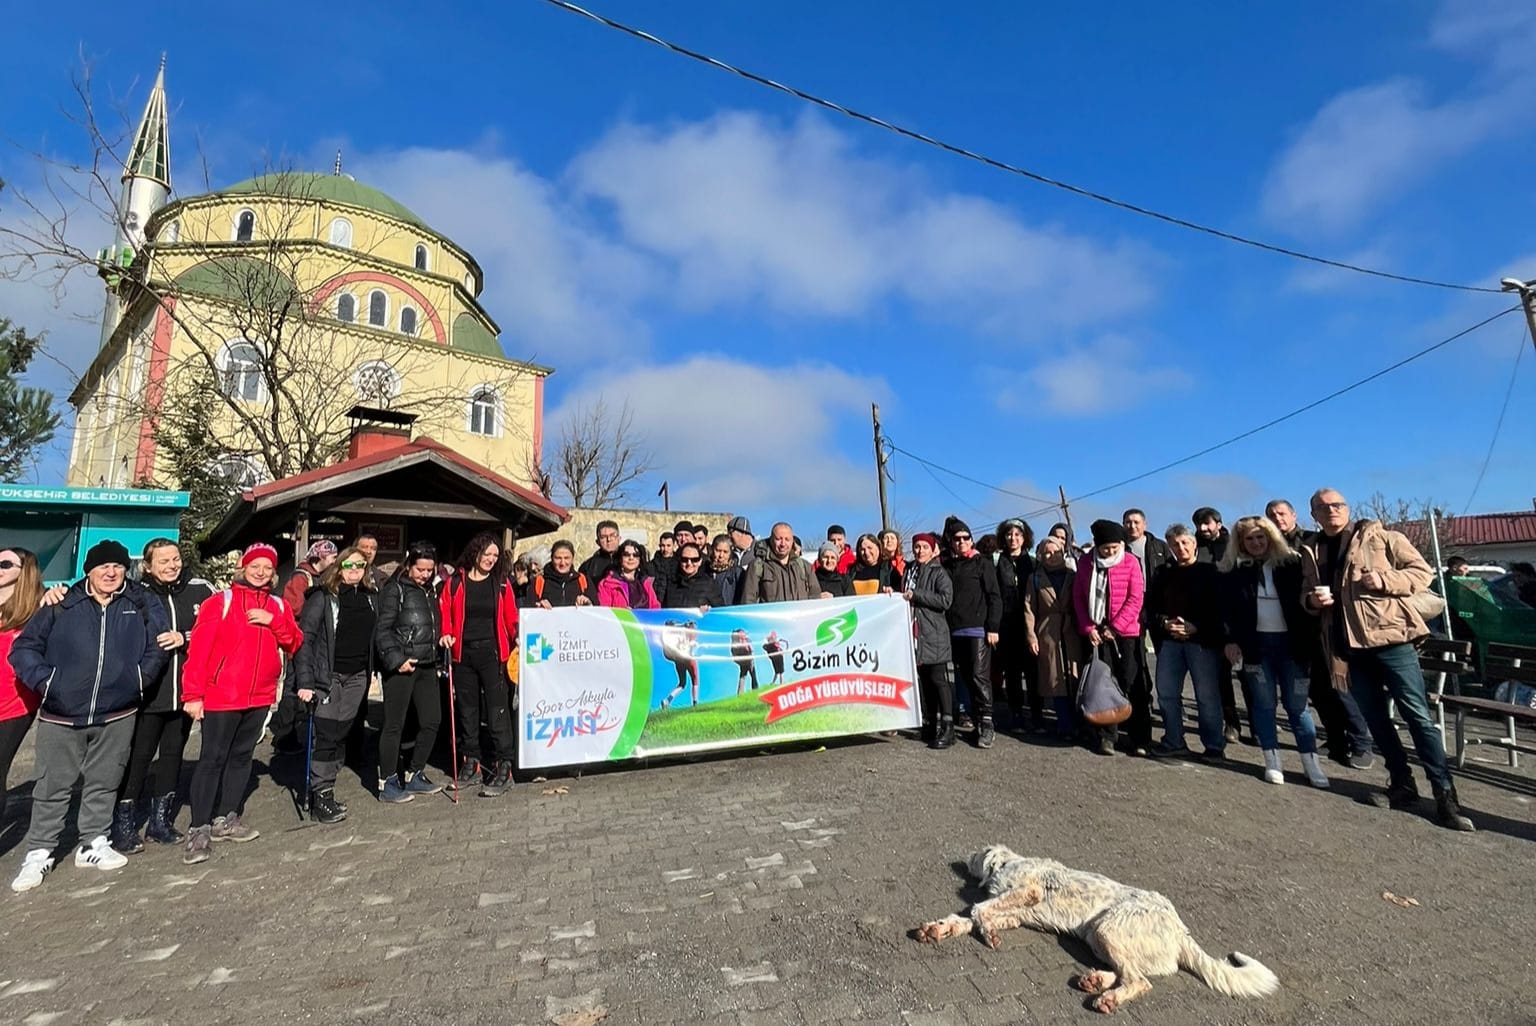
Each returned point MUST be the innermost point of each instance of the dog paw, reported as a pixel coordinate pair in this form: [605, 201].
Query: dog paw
[928, 933]
[1106, 1003]
[1095, 982]
[991, 938]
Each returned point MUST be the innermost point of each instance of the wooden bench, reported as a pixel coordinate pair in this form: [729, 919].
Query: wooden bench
[1442, 661]
[1503, 663]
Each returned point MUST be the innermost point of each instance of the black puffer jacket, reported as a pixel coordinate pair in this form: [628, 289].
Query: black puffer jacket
[559, 590]
[689, 592]
[1012, 575]
[833, 583]
[977, 602]
[409, 625]
[318, 619]
[181, 599]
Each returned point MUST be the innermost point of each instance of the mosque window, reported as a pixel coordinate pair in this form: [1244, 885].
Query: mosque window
[377, 382]
[421, 257]
[173, 232]
[245, 226]
[346, 307]
[482, 411]
[407, 321]
[378, 308]
[241, 368]
[341, 232]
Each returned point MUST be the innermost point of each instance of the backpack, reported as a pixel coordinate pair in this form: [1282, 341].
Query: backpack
[538, 585]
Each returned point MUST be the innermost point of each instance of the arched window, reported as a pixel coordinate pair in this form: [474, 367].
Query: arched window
[482, 411]
[407, 321]
[378, 308]
[245, 226]
[241, 368]
[346, 307]
[341, 232]
[377, 382]
[469, 283]
[173, 232]
[421, 257]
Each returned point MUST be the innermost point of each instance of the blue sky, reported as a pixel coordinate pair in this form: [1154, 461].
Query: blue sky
[750, 273]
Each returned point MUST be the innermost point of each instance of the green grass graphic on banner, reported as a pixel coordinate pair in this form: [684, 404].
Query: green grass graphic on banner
[640, 695]
[740, 720]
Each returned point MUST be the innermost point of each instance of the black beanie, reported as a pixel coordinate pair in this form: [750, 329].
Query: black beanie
[104, 552]
[1106, 531]
[954, 525]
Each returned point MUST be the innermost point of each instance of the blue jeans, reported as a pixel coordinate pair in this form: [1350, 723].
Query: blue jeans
[1278, 672]
[1204, 666]
[1377, 675]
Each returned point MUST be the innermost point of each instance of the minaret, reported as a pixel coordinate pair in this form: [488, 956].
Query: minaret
[146, 187]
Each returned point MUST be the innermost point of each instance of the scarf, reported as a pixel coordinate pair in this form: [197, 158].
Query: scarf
[1098, 588]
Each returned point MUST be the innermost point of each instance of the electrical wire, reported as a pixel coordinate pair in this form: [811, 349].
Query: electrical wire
[1499, 424]
[964, 477]
[1314, 404]
[1000, 165]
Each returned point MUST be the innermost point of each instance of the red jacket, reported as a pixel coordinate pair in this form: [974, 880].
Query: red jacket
[233, 665]
[300, 581]
[16, 699]
[451, 601]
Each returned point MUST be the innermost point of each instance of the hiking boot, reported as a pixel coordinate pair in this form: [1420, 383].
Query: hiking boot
[199, 846]
[34, 867]
[501, 779]
[1398, 797]
[985, 734]
[1104, 746]
[394, 791]
[99, 855]
[420, 783]
[233, 828]
[944, 737]
[125, 836]
[470, 771]
[1448, 810]
[323, 807]
[162, 820]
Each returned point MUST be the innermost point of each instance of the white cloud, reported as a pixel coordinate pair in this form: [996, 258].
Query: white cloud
[1108, 374]
[729, 434]
[741, 209]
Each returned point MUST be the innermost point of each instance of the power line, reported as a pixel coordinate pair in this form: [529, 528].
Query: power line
[1314, 404]
[964, 477]
[1499, 424]
[1000, 165]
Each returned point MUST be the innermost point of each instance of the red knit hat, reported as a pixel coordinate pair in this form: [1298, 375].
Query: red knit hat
[258, 550]
[926, 536]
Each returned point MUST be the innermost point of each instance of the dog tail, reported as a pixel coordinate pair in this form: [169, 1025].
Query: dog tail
[1236, 976]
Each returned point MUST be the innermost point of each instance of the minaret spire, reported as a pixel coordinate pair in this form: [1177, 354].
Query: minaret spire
[337, 169]
[151, 154]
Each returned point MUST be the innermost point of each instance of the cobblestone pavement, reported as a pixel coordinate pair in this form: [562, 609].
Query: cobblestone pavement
[781, 889]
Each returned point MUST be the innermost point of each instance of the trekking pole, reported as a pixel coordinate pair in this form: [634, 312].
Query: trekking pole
[309, 763]
[453, 733]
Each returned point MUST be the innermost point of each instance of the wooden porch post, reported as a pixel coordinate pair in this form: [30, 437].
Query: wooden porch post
[301, 533]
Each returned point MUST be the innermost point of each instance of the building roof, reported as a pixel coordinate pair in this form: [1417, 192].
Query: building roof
[403, 473]
[333, 187]
[1476, 529]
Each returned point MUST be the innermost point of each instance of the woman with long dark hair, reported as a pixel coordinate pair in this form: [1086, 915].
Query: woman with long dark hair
[21, 593]
[479, 608]
[627, 585]
[872, 574]
[162, 726]
[333, 668]
[408, 637]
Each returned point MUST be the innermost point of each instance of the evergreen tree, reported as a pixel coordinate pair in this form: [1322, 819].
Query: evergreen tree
[27, 417]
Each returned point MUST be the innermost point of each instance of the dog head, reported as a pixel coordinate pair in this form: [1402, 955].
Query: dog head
[987, 861]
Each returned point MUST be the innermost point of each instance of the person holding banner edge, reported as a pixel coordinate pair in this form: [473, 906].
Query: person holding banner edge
[931, 592]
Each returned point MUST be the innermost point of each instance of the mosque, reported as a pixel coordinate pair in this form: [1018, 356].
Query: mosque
[282, 308]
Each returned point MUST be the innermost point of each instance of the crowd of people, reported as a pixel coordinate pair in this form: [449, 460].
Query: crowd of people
[115, 671]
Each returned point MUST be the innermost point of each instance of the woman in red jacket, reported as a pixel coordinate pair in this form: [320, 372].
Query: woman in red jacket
[234, 663]
[479, 606]
[21, 592]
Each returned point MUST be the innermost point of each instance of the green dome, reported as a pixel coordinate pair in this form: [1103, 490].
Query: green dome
[335, 188]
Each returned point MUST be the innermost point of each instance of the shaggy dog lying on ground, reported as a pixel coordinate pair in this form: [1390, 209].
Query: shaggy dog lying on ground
[1137, 933]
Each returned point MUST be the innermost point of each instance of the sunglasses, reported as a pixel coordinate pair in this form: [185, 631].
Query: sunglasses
[690, 559]
[960, 537]
[629, 555]
[354, 565]
[8, 564]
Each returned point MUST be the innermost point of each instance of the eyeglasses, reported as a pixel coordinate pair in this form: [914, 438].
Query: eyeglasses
[352, 564]
[1331, 506]
[629, 555]
[959, 537]
[689, 559]
[8, 564]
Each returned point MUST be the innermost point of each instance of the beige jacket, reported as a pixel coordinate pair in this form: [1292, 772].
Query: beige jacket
[1371, 619]
[1051, 622]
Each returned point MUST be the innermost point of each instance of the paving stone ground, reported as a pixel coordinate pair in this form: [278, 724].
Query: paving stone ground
[781, 889]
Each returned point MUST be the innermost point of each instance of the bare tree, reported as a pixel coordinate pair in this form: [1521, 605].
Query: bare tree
[600, 455]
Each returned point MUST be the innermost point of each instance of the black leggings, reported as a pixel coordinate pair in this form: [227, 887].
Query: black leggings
[224, 765]
[163, 731]
[480, 688]
[938, 691]
[402, 691]
[12, 731]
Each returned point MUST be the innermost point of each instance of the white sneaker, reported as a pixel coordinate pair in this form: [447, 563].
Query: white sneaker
[99, 855]
[1314, 770]
[1272, 774]
[33, 868]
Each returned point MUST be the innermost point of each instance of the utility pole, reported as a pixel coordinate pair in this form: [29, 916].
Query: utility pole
[1527, 290]
[1066, 514]
[880, 457]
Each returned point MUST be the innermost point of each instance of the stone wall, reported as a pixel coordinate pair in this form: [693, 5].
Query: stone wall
[643, 525]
